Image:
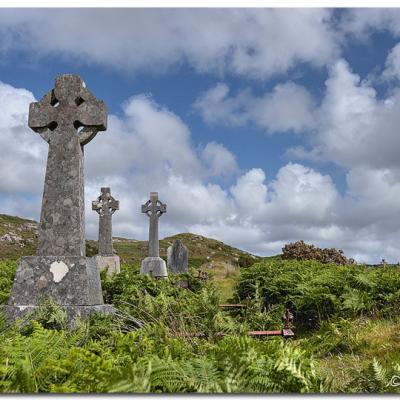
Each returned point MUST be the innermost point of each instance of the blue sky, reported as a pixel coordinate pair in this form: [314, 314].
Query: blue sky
[280, 124]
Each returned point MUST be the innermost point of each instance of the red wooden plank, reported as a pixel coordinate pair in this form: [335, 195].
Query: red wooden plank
[284, 333]
[264, 333]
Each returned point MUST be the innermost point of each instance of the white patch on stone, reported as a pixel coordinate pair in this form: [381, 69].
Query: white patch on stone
[22, 308]
[59, 270]
[56, 218]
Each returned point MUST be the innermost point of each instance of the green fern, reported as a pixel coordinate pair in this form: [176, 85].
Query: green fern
[380, 373]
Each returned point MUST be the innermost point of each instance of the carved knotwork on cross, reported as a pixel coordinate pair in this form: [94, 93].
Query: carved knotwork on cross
[68, 105]
[105, 203]
[154, 207]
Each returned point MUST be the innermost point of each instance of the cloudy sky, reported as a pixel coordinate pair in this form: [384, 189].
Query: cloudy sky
[257, 127]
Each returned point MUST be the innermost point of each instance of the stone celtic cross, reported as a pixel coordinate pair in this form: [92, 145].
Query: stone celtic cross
[67, 118]
[153, 208]
[105, 206]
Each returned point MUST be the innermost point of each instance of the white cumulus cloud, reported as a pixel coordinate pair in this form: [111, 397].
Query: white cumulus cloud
[392, 70]
[219, 160]
[354, 127]
[288, 107]
[362, 22]
[23, 152]
[247, 42]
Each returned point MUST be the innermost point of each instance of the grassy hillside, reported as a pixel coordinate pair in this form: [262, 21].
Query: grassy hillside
[18, 237]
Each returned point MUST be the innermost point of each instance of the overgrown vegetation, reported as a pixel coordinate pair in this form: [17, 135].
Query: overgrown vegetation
[316, 292]
[347, 326]
[151, 345]
[357, 355]
[7, 272]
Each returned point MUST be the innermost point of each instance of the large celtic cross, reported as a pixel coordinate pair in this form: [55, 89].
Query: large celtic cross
[67, 118]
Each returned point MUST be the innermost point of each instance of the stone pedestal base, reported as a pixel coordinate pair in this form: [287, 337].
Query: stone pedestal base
[73, 312]
[69, 280]
[73, 282]
[111, 263]
[154, 266]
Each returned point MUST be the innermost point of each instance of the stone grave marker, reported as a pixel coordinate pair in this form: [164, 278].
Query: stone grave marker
[154, 265]
[177, 258]
[67, 118]
[105, 206]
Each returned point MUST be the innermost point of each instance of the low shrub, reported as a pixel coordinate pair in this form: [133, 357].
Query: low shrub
[303, 251]
[245, 261]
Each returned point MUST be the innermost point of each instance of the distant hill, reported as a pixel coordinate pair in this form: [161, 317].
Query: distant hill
[18, 237]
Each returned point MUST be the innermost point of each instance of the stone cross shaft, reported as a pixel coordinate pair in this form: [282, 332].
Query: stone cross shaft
[153, 208]
[67, 118]
[105, 206]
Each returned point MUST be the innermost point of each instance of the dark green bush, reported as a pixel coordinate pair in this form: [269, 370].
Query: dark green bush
[245, 261]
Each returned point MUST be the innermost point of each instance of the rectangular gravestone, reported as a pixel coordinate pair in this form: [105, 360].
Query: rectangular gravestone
[177, 258]
[67, 118]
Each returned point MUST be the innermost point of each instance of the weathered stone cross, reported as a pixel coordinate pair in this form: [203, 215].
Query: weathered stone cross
[153, 208]
[67, 117]
[105, 206]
